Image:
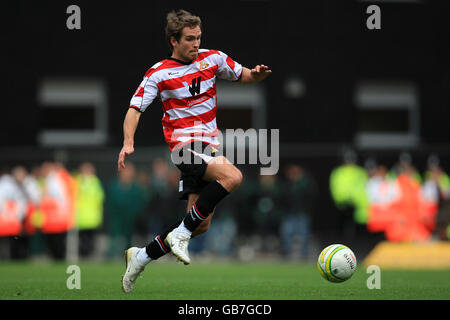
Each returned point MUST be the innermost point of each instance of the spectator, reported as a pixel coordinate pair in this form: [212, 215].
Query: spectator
[14, 200]
[125, 200]
[405, 166]
[407, 223]
[437, 187]
[383, 194]
[143, 179]
[37, 240]
[348, 190]
[403, 208]
[89, 207]
[266, 207]
[33, 192]
[57, 207]
[300, 193]
[30, 188]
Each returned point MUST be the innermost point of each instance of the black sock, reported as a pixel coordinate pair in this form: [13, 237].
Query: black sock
[209, 197]
[157, 248]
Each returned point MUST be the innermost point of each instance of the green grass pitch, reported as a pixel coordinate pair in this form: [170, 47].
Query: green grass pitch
[167, 280]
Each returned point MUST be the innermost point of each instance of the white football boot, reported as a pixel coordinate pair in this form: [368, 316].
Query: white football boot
[133, 269]
[178, 242]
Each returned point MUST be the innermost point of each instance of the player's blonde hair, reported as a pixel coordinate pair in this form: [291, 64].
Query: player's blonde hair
[177, 20]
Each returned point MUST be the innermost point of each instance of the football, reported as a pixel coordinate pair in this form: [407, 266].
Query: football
[336, 263]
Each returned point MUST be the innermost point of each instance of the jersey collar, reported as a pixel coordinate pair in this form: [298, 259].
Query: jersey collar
[181, 61]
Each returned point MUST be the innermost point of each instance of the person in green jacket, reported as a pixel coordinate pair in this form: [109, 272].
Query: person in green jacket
[125, 201]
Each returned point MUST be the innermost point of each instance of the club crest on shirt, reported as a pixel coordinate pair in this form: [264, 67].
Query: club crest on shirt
[203, 65]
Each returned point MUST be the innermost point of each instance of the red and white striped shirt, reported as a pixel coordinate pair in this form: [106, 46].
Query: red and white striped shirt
[188, 95]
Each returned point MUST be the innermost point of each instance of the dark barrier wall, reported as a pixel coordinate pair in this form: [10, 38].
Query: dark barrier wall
[326, 42]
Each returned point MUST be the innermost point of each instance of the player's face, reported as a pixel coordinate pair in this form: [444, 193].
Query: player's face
[187, 48]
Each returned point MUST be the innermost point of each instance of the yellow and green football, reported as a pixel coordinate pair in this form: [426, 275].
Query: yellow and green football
[336, 263]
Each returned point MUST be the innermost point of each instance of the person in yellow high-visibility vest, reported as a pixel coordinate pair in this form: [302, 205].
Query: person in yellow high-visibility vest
[348, 188]
[89, 207]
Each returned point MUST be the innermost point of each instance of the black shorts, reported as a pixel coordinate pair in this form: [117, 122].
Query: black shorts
[192, 171]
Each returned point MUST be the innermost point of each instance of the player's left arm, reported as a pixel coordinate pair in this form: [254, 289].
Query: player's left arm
[258, 73]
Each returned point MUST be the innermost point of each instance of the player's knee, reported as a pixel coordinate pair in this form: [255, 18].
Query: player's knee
[235, 178]
[228, 175]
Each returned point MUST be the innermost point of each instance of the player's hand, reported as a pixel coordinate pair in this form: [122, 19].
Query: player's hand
[260, 72]
[126, 150]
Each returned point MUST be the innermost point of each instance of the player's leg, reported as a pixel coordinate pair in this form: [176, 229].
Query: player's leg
[158, 247]
[204, 226]
[224, 172]
[223, 178]
[137, 258]
[217, 171]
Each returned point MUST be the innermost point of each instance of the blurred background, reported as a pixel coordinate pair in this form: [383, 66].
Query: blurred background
[363, 117]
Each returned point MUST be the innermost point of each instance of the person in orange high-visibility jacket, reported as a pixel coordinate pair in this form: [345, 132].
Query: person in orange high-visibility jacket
[57, 207]
[12, 207]
[58, 202]
[33, 191]
[407, 224]
[10, 224]
[383, 194]
[19, 194]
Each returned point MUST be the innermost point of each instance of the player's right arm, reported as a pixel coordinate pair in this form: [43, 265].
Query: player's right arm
[129, 128]
[141, 99]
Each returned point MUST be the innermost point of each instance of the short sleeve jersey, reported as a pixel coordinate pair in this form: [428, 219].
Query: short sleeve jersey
[188, 95]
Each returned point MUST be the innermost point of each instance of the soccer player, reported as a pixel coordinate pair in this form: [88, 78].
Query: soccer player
[185, 83]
